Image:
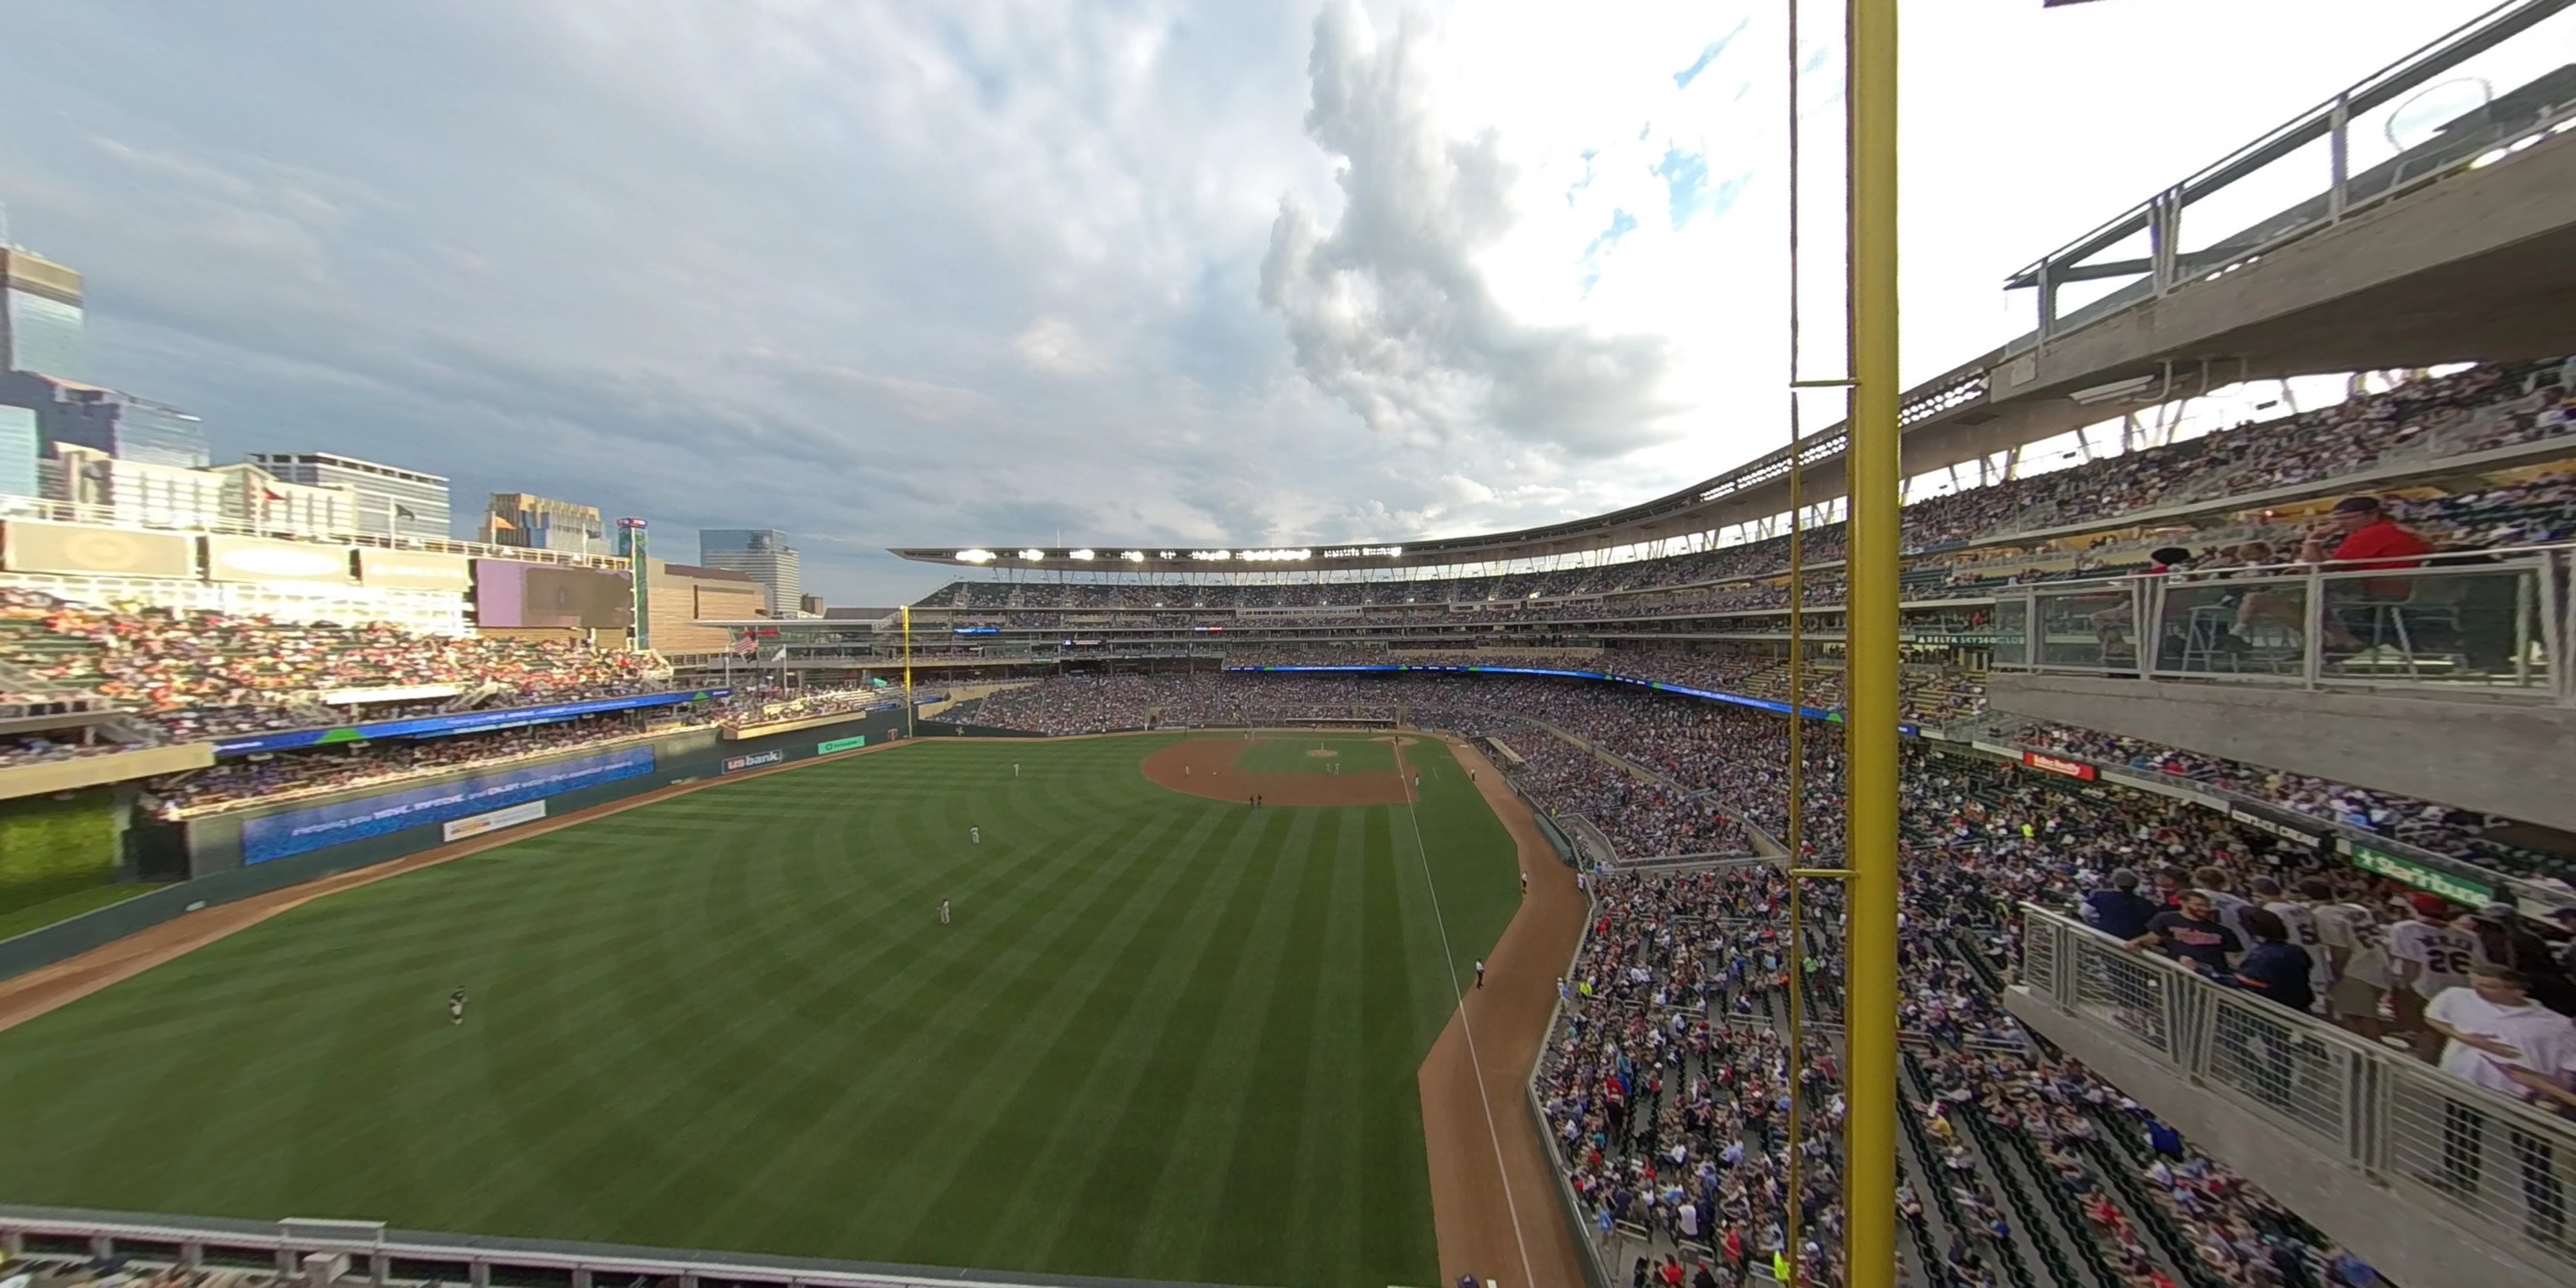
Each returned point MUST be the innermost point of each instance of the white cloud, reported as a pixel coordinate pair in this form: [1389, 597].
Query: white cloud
[1240, 274]
[1055, 346]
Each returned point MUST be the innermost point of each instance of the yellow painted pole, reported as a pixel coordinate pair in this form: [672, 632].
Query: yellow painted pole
[907, 670]
[1869, 726]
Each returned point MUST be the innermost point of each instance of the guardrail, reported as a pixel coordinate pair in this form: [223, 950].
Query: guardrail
[367, 1252]
[2494, 622]
[130, 517]
[2468, 1155]
[2393, 133]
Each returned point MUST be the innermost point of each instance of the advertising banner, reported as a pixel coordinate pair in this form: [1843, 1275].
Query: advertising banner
[840, 744]
[461, 722]
[275, 836]
[2059, 765]
[260, 559]
[413, 570]
[388, 693]
[737, 764]
[2266, 823]
[494, 821]
[28, 546]
[2422, 876]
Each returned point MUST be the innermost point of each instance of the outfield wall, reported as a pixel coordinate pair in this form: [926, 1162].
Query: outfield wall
[248, 852]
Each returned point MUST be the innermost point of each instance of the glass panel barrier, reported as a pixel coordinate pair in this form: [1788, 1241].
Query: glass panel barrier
[2012, 629]
[2233, 623]
[2468, 623]
[2088, 626]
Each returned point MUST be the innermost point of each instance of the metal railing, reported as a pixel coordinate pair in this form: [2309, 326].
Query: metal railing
[2472, 98]
[2470, 1156]
[378, 1256]
[190, 521]
[2497, 622]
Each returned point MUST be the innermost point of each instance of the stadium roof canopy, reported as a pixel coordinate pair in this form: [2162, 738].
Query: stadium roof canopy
[1946, 420]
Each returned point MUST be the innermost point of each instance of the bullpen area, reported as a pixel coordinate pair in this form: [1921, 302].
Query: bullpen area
[1165, 1036]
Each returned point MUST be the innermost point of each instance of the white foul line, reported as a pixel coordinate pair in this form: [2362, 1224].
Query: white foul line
[1492, 1132]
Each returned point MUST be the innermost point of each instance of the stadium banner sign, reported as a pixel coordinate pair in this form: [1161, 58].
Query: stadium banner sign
[413, 570]
[737, 764]
[388, 693]
[460, 722]
[459, 829]
[839, 744]
[2060, 766]
[2422, 876]
[2274, 826]
[1707, 695]
[30, 546]
[260, 559]
[294, 831]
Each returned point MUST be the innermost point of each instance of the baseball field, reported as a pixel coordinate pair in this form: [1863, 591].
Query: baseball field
[1166, 1036]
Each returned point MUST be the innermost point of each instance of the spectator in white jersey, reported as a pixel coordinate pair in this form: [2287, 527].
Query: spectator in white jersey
[2427, 955]
[2496, 1037]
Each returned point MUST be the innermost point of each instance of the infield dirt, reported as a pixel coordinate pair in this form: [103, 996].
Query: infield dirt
[1205, 767]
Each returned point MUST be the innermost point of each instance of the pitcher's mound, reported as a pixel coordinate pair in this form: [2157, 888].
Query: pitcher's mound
[1322, 753]
[1205, 767]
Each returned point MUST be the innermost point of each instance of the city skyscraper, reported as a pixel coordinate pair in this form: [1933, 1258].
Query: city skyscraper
[764, 555]
[391, 500]
[105, 420]
[542, 523]
[40, 316]
[21, 451]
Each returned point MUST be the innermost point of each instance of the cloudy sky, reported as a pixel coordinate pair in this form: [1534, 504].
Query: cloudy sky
[991, 271]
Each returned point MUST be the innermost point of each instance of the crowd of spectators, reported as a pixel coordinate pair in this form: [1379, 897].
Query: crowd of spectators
[1666, 1088]
[746, 710]
[2471, 410]
[203, 673]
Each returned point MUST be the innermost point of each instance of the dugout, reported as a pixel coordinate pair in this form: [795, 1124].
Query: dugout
[240, 853]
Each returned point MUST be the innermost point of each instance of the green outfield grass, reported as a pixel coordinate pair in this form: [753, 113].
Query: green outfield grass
[1166, 1037]
[18, 921]
[1286, 753]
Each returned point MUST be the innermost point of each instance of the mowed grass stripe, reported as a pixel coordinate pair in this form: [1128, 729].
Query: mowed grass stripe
[1168, 1037]
[1141, 1004]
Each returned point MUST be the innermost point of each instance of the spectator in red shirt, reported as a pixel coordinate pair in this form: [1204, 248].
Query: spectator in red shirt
[2367, 533]
[2358, 529]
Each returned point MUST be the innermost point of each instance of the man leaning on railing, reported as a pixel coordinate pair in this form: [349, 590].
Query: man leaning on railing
[2496, 1037]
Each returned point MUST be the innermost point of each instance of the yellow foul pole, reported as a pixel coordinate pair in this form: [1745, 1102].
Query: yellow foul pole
[1869, 730]
[907, 670]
